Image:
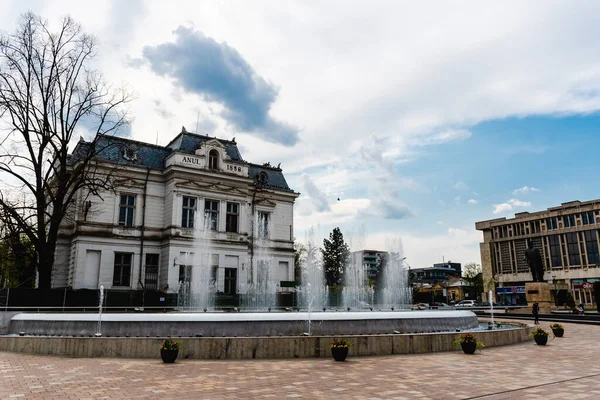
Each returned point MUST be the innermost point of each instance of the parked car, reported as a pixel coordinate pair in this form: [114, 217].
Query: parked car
[420, 306]
[439, 304]
[466, 303]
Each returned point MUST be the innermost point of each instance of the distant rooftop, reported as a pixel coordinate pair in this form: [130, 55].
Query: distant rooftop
[567, 206]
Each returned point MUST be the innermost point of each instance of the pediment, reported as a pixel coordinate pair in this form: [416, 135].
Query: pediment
[211, 186]
[128, 182]
[266, 202]
[214, 143]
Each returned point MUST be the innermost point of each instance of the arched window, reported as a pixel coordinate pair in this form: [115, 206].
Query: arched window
[263, 178]
[213, 159]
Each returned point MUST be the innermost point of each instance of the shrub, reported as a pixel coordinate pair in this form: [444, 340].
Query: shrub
[538, 332]
[340, 343]
[468, 338]
[170, 344]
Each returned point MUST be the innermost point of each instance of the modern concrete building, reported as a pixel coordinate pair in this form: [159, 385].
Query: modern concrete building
[567, 238]
[371, 259]
[141, 234]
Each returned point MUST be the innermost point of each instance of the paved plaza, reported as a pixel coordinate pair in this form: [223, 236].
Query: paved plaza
[567, 368]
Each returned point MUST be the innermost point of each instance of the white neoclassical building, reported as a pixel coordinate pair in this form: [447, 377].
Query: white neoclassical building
[141, 234]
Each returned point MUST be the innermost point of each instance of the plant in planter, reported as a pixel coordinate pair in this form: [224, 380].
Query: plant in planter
[339, 349]
[468, 343]
[540, 336]
[169, 350]
[557, 330]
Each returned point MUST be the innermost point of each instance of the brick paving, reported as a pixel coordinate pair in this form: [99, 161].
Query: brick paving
[567, 368]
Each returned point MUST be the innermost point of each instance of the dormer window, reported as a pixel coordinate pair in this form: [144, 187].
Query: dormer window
[213, 159]
[130, 154]
[263, 178]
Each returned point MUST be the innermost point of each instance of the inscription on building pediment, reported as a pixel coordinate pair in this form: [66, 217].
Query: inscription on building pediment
[191, 160]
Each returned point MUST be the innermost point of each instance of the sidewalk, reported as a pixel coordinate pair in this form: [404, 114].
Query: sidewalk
[567, 367]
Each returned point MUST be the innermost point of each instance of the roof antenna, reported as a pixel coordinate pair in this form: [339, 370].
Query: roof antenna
[157, 138]
[197, 122]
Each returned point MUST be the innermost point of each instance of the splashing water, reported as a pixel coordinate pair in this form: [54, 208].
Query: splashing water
[261, 291]
[312, 293]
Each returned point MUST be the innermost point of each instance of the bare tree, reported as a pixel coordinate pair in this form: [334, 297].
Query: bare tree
[47, 93]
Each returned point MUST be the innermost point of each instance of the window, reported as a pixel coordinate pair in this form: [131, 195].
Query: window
[188, 212]
[554, 242]
[185, 273]
[587, 218]
[263, 225]
[592, 247]
[573, 247]
[122, 269]
[230, 281]
[551, 223]
[231, 222]
[213, 159]
[151, 277]
[130, 154]
[569, 220]
[263, 178]
[211, 214]
[126, 209]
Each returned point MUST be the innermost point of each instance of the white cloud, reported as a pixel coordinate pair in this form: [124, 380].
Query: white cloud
[457, 199]
[472, 201]
[524, 190]
[460, 185]
[457, 232]
[442, 137]
[316, 195]
[510, 205]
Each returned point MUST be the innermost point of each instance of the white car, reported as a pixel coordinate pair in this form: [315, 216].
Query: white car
[466, 303]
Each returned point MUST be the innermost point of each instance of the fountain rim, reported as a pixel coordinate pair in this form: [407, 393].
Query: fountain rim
[244, 316]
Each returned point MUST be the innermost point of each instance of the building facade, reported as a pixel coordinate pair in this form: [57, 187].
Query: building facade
[372, 260]
[439, 272]
[168, 203]
[567, 237]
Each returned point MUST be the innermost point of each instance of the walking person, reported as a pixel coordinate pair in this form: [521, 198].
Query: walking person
[536, 312]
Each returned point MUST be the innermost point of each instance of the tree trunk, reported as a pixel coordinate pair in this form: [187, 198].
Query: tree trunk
[45, 264]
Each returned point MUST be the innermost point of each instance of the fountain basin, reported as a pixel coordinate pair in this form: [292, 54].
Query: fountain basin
[242, 324]
[227, 348]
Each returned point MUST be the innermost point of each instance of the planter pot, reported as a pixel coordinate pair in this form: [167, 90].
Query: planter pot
[468, 348]
[339, 353]
[541, 340]
[168, 356]
[558, 332]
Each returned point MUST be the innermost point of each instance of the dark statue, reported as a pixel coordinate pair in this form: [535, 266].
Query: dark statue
[534, 261]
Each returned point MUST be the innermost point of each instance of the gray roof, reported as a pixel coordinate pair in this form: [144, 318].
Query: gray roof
[147, 155]
[112, 148]
[275, 178]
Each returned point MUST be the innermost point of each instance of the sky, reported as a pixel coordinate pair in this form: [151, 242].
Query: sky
[396, 121]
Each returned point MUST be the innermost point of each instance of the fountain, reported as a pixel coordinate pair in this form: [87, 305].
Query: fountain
[395, 291]
[357, 294]
[100, 301]
[261, 291]
[255, 334]
[313, 290]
